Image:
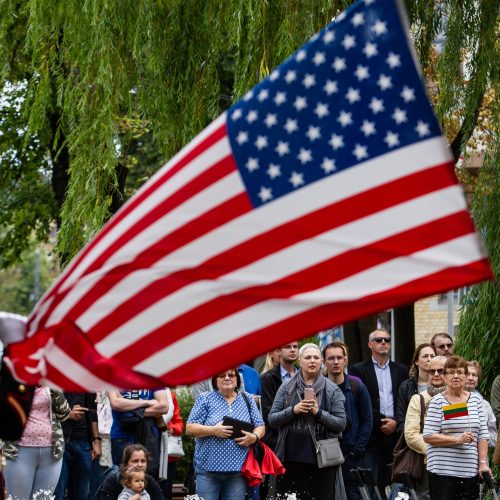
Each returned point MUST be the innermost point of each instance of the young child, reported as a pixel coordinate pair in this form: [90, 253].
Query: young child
[134, 482]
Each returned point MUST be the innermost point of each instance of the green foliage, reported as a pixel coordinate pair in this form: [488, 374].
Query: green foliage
[478, 334]
[17, 284]
[186, 401]
[27, 202]
[174, 66]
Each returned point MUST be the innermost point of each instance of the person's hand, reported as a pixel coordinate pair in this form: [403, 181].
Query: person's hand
[248, 439]
[77, 412]
[465, 438]
[483, 469]
[388, 426]
[96, 449]
[223, 431]
[304, 406]
[137, 496]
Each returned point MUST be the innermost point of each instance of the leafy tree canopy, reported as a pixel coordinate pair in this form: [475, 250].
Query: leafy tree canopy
[108, 85]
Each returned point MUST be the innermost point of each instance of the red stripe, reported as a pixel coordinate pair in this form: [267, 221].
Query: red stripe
[76, 345]
[320, 318]
[133, 203]
[320, 275]
[276, 239]
[455, 415]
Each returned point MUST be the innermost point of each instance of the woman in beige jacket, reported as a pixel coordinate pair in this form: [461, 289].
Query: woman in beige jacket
[413, 434]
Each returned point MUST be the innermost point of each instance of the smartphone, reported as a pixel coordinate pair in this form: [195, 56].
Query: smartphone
[309, 393]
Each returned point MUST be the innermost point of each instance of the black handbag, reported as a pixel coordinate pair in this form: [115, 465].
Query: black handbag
[408, 465]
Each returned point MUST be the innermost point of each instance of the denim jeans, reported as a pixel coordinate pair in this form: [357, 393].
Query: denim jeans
[33, 471]
[351, 487]
[117, 447]
[97, 471]
[76, 471]
[223, 485]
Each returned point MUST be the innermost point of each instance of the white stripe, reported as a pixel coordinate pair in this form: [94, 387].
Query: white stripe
[73, 267]
[74, 371]
[40, 310]
[221, 191]
[281, 264]
[458, 252]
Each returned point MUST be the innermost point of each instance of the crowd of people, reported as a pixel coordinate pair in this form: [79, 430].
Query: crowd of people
[115, 445]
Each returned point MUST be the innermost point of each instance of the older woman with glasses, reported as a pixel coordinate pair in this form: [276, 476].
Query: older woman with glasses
[218, 457]
[457, 434]
[309, 404]
[413, 433]
[474, 373]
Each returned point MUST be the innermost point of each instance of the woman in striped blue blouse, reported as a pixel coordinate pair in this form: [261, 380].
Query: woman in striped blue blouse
[457, 434]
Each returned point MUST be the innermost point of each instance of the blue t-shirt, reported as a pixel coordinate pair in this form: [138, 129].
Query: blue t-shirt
[216, 454]
[251, 379]
[136, 394]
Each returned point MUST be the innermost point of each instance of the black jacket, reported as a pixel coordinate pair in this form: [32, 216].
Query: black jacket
[366, 372]
[406, 391]
[270, 383]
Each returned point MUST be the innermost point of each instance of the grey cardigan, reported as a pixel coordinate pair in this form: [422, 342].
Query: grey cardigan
[334, 419]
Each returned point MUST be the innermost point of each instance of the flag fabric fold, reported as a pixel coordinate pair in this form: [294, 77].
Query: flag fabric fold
[325, 194]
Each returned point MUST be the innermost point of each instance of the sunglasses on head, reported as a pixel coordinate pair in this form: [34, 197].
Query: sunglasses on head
[379, 340]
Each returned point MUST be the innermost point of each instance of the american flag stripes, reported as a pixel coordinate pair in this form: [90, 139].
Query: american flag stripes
[325, 194]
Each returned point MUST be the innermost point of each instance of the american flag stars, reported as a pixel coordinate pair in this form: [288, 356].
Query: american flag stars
[341, 99]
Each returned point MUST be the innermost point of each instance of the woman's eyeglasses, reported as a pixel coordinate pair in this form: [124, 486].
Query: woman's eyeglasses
[439, 371]
[226, 375]
[455, 372]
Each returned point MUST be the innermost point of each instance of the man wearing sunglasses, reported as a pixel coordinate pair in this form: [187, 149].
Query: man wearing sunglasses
[382, 378]
[443, 344]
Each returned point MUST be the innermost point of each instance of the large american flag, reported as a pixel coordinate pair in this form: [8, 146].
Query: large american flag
[326, 194]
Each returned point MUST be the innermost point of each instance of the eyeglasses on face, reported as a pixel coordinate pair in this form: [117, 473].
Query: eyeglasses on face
[379, 340]
[455, 372]
[445, 346]
[439, 371]
[226, 375]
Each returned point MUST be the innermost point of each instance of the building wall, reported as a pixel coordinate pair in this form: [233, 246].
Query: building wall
[431, 316]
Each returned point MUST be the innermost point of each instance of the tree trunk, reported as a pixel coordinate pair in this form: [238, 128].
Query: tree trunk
[404, 324]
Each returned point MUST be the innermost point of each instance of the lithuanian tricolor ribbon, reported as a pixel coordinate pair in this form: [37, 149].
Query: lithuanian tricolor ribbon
[455, 411]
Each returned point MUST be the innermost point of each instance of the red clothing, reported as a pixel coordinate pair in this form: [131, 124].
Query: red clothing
[176, 424]
[270, 465]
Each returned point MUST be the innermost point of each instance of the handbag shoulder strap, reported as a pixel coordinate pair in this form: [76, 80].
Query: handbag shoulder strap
[422, 413]
[245, 397]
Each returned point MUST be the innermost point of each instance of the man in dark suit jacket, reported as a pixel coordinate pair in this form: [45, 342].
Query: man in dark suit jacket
[270, 383]
[382, 378]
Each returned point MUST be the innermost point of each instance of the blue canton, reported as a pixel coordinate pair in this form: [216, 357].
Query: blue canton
[214, 454]
[351, 94]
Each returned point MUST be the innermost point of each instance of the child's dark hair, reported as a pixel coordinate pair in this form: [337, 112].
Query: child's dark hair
[126, 474]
